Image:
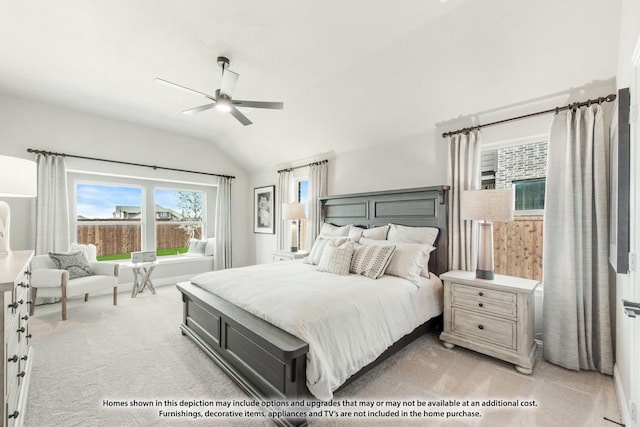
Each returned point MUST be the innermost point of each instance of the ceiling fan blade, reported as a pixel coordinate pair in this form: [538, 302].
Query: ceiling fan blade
[241, 117]
[199, 109]
[186, 89]
[259, 104]
[229, 80]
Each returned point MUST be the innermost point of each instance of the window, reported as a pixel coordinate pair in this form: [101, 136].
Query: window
[303, 197]
[122, 215]
[530, 194]
[109, 216]
[178, 216]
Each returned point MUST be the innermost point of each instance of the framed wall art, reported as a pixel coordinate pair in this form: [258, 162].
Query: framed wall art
[264, 210]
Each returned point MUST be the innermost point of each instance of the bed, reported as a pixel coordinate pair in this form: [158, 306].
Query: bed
[269, 353]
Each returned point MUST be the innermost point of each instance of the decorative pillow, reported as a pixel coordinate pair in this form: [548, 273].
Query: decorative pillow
[336, 259]
[74, 262]
[407, 260]
[197, 247]
[376, 233]
[403, 233]
[319, 246]
[89, 251]
[330, 230]
[211, 246]
[371, 260]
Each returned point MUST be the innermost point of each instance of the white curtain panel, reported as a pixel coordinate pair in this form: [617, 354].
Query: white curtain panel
[318, 179]
[223, 257]
[52, 206]
[576, 318]
[464, 174]
[286, 194]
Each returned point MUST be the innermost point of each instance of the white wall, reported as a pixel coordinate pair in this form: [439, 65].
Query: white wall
[32, 124]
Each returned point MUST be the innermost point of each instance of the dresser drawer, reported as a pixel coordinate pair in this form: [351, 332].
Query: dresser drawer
[484, 300]
[501, 332]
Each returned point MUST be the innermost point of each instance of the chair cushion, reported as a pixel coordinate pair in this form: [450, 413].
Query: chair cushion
[74, 262]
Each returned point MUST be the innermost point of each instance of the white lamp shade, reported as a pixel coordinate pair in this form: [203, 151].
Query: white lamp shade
[293, 211]
[488, 205]
[18, 177]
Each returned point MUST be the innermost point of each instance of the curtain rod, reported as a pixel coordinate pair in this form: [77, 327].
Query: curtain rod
[303, 166]
[50, 153]
[575, 105]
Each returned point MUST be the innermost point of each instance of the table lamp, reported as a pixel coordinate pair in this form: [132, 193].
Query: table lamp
[487, 206]
[293, 212]
[18, 178]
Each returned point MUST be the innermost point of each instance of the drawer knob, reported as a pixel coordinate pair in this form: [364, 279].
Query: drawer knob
[14, 415]
[480, 293]
[21, 301]
[480, 304]
[25, 317]
[14, 305]
[480, 327]
[13, 359]
[22, 374]
[25, 357]
[29, 336]
[27, 273]
[20, 330]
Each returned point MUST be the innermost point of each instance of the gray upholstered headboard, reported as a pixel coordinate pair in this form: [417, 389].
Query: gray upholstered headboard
[418, 207]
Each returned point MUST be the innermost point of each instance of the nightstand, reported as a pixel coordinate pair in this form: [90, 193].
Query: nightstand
[493, 317]
[288, 255]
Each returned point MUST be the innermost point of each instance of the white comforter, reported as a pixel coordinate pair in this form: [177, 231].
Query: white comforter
[348, 321]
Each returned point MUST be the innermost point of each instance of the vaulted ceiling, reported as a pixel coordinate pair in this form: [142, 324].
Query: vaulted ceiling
[350, 73]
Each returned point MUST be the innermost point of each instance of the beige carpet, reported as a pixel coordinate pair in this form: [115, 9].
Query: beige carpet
[135, 351]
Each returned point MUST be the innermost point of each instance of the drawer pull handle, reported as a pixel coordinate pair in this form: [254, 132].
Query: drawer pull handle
[25, 357]
[25, 317]
[21, 301]
[480, 304]
[27, 273]
[22, 374]
[29, 336]
[480, 293]
[13, 359]
[20, 330]
[30, 302]
[14, 415]
[480, 327]
[14, 305]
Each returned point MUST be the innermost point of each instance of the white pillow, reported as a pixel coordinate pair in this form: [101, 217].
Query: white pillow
[403, 233]
[336, 259]
[407, 261]
[196, 247]
[371, 260]
[319, 246]
[376, 233]
[330, 230]
[89, 251]
[211, 246]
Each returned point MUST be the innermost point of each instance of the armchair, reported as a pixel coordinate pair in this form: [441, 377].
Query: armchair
[47, 280]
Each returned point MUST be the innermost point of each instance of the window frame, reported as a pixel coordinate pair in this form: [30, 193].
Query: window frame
[148, 217]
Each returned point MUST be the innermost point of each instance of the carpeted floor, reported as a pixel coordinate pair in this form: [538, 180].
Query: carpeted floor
[106, 356]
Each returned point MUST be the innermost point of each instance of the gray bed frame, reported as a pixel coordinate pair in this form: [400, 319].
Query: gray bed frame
[269, 363]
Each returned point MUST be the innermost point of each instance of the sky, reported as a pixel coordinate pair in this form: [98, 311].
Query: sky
[100, 201]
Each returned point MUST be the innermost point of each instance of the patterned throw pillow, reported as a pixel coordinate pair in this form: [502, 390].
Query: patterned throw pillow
[74, 262]
[371, 261]
[197, 247]
[318, 247]
[336, 259]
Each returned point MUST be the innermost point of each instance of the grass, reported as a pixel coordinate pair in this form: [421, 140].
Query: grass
[127, 255]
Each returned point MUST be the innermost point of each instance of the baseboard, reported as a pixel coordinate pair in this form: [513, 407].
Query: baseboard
[622, 398]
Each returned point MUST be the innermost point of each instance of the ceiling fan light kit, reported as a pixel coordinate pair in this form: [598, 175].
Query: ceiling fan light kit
[222, 100]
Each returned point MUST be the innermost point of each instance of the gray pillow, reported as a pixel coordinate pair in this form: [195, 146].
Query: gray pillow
[197, 247]
[74, 262]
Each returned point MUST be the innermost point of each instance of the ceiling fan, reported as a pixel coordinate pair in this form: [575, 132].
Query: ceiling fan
[222, 99]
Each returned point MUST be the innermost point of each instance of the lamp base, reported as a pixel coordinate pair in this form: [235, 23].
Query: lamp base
[484, 274]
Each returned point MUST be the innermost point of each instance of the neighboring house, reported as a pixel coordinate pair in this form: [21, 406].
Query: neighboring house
[134, 212]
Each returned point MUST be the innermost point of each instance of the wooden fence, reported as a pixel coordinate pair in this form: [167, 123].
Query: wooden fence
[124, 238]
[517, 247]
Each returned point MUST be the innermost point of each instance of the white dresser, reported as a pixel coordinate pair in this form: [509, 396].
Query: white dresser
[16, 352]
[494, 317]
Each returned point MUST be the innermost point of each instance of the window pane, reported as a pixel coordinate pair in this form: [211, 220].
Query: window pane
[178, 218]
[109, 217]
[530, 194]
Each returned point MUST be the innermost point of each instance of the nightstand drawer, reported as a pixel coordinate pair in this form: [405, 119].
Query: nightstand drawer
[484, 300]
[484, 328]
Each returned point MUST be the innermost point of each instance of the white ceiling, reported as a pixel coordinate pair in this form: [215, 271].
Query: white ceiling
[351, 73]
